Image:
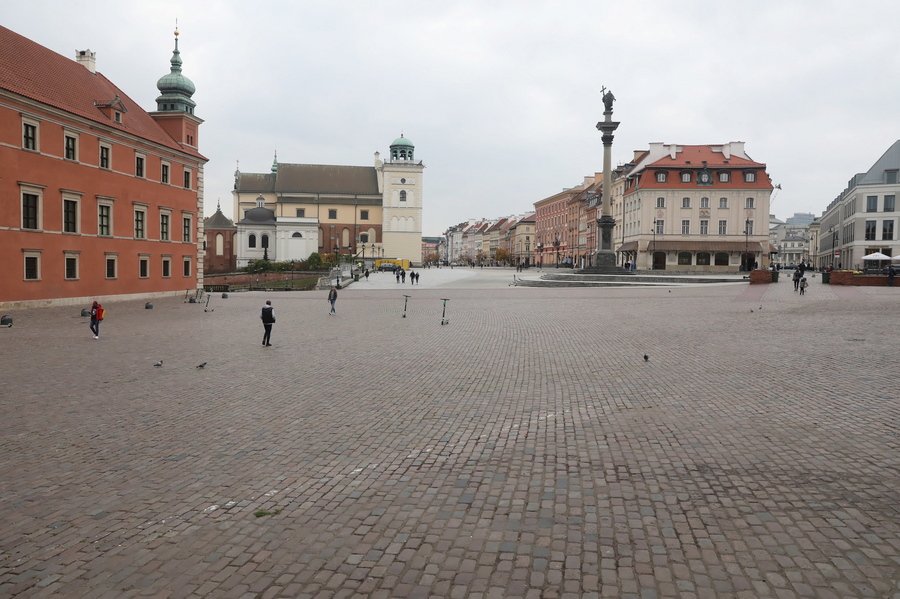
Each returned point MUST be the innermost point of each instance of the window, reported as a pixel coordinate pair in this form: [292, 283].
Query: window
[104, 220]
[723, 227]
[684, 258]
[301, 212]
[138, 166]
[363, 215]
[724, 177]
[685, 227]
[71, 267]
[685, 177]
[887, 229]
[332, 213]
[402, 196]
[144, 267]
[702, 258]
[30, 135]
[140, 221]
[105, 150]
[661, 177]
[871, 203]
[164, 173]
[748, 227]
[685, 202]
[364, 237]
[166, 268]
[890, 177]
[32, 266]
[704, 202]
[721, 258]
[889, 205]
[111, 267]
[118, 117]
[260, 202]
[870, 230]
[187, 179]
[251, 241]
[660, 226]
[704, 228]
[31, 211]
[186, 267]
[164, 226]
[70, 215]
[71, 146]
[723, 202]
[749, 177]
[265, 241]
[220, 244]
[660, 202]
[186, 228]
[748, 203]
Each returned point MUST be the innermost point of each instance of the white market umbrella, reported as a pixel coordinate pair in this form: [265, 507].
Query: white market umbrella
[876, 256]
[896, 258]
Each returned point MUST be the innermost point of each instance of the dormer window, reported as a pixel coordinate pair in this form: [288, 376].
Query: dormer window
[749, 177]
[118, 117]
[685, 177]
[890, 177]
[661, 177]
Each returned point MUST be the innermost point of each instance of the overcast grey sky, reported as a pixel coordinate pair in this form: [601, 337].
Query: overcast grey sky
[501, 97]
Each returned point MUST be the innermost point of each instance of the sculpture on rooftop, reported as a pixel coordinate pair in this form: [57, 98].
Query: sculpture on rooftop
[608, 99]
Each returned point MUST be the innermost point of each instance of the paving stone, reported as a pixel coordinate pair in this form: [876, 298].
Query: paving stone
[526, 449]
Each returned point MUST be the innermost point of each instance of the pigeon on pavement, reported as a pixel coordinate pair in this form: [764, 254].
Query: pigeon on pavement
[646, 358]
[201, 365]
[158, 364]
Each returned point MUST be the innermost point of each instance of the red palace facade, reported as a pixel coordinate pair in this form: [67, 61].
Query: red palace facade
[98, 197]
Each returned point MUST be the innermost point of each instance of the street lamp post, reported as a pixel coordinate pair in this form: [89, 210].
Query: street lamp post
[653, 250]
[747, 244]
[834, 236]
[540, 249]
[556, 245]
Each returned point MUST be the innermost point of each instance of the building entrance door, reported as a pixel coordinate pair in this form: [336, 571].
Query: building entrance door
[659, 260]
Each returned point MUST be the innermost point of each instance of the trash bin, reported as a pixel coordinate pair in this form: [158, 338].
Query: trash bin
[356, 278]
[826, 278]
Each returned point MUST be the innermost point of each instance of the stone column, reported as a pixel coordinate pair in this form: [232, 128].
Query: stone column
[605, 259]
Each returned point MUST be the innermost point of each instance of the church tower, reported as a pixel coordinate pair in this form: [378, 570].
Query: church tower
[402, 193]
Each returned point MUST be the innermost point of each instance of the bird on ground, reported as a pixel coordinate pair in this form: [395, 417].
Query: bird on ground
[158, 364]
[201, 365]
[646, 358]
[751, 310]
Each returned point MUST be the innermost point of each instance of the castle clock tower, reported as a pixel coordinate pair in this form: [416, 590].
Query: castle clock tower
[402, 193]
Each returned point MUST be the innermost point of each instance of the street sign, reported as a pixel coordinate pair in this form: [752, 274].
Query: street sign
[837, 254]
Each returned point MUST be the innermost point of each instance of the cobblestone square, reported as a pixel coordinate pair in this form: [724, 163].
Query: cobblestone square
[526, 449]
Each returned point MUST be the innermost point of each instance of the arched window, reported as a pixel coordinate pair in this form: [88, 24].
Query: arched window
[684, 258]
[251, 241]
[372, 237]
[265, 241]
[220, 244]
[403, 196]
[345, 238]
[721, 259]
[297, 234]
[321, 237]
[364, 238]
[703, 259]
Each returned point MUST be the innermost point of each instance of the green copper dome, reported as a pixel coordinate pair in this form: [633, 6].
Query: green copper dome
[402, 141]
[175, 89]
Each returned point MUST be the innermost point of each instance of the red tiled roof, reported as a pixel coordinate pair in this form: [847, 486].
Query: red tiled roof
[33, 71]
[697, 154]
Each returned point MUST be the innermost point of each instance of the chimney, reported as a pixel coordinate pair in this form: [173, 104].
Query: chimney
[87, 59]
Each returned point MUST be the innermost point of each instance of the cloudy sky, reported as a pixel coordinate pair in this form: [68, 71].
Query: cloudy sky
[501, 98]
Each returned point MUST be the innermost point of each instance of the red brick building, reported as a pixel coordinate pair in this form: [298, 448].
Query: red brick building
[220, 255]
[98, 197]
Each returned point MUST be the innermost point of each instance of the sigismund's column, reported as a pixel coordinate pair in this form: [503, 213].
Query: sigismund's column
[605, 260]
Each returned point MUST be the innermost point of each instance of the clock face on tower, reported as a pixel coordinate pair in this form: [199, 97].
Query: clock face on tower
[704, 178]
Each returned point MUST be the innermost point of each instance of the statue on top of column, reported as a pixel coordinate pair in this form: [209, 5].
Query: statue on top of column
[608, 98]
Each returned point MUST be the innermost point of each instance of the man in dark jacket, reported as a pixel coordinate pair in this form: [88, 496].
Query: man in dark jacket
[268, 319]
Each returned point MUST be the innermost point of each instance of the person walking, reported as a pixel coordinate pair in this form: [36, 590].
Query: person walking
[796, 279]
[268, 319]
[803, 285]
[97, 313]
[332, 298]
[891, 274]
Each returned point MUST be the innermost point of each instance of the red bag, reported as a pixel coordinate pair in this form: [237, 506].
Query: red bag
[100, 313]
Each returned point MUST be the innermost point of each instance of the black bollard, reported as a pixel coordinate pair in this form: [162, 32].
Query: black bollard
[148, 306]
[224, 296]
[85, 312]
[6, 320]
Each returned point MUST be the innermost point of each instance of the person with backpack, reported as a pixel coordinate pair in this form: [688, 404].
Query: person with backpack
[803, 285]
[268, 319]
[97, 314]
[332, 298]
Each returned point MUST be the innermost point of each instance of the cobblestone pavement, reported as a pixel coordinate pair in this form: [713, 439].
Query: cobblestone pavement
[525, 449]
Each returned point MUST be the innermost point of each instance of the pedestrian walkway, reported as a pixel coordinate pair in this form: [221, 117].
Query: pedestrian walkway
[525, 449]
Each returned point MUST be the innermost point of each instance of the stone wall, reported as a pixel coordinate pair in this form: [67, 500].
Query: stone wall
[848, 277]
